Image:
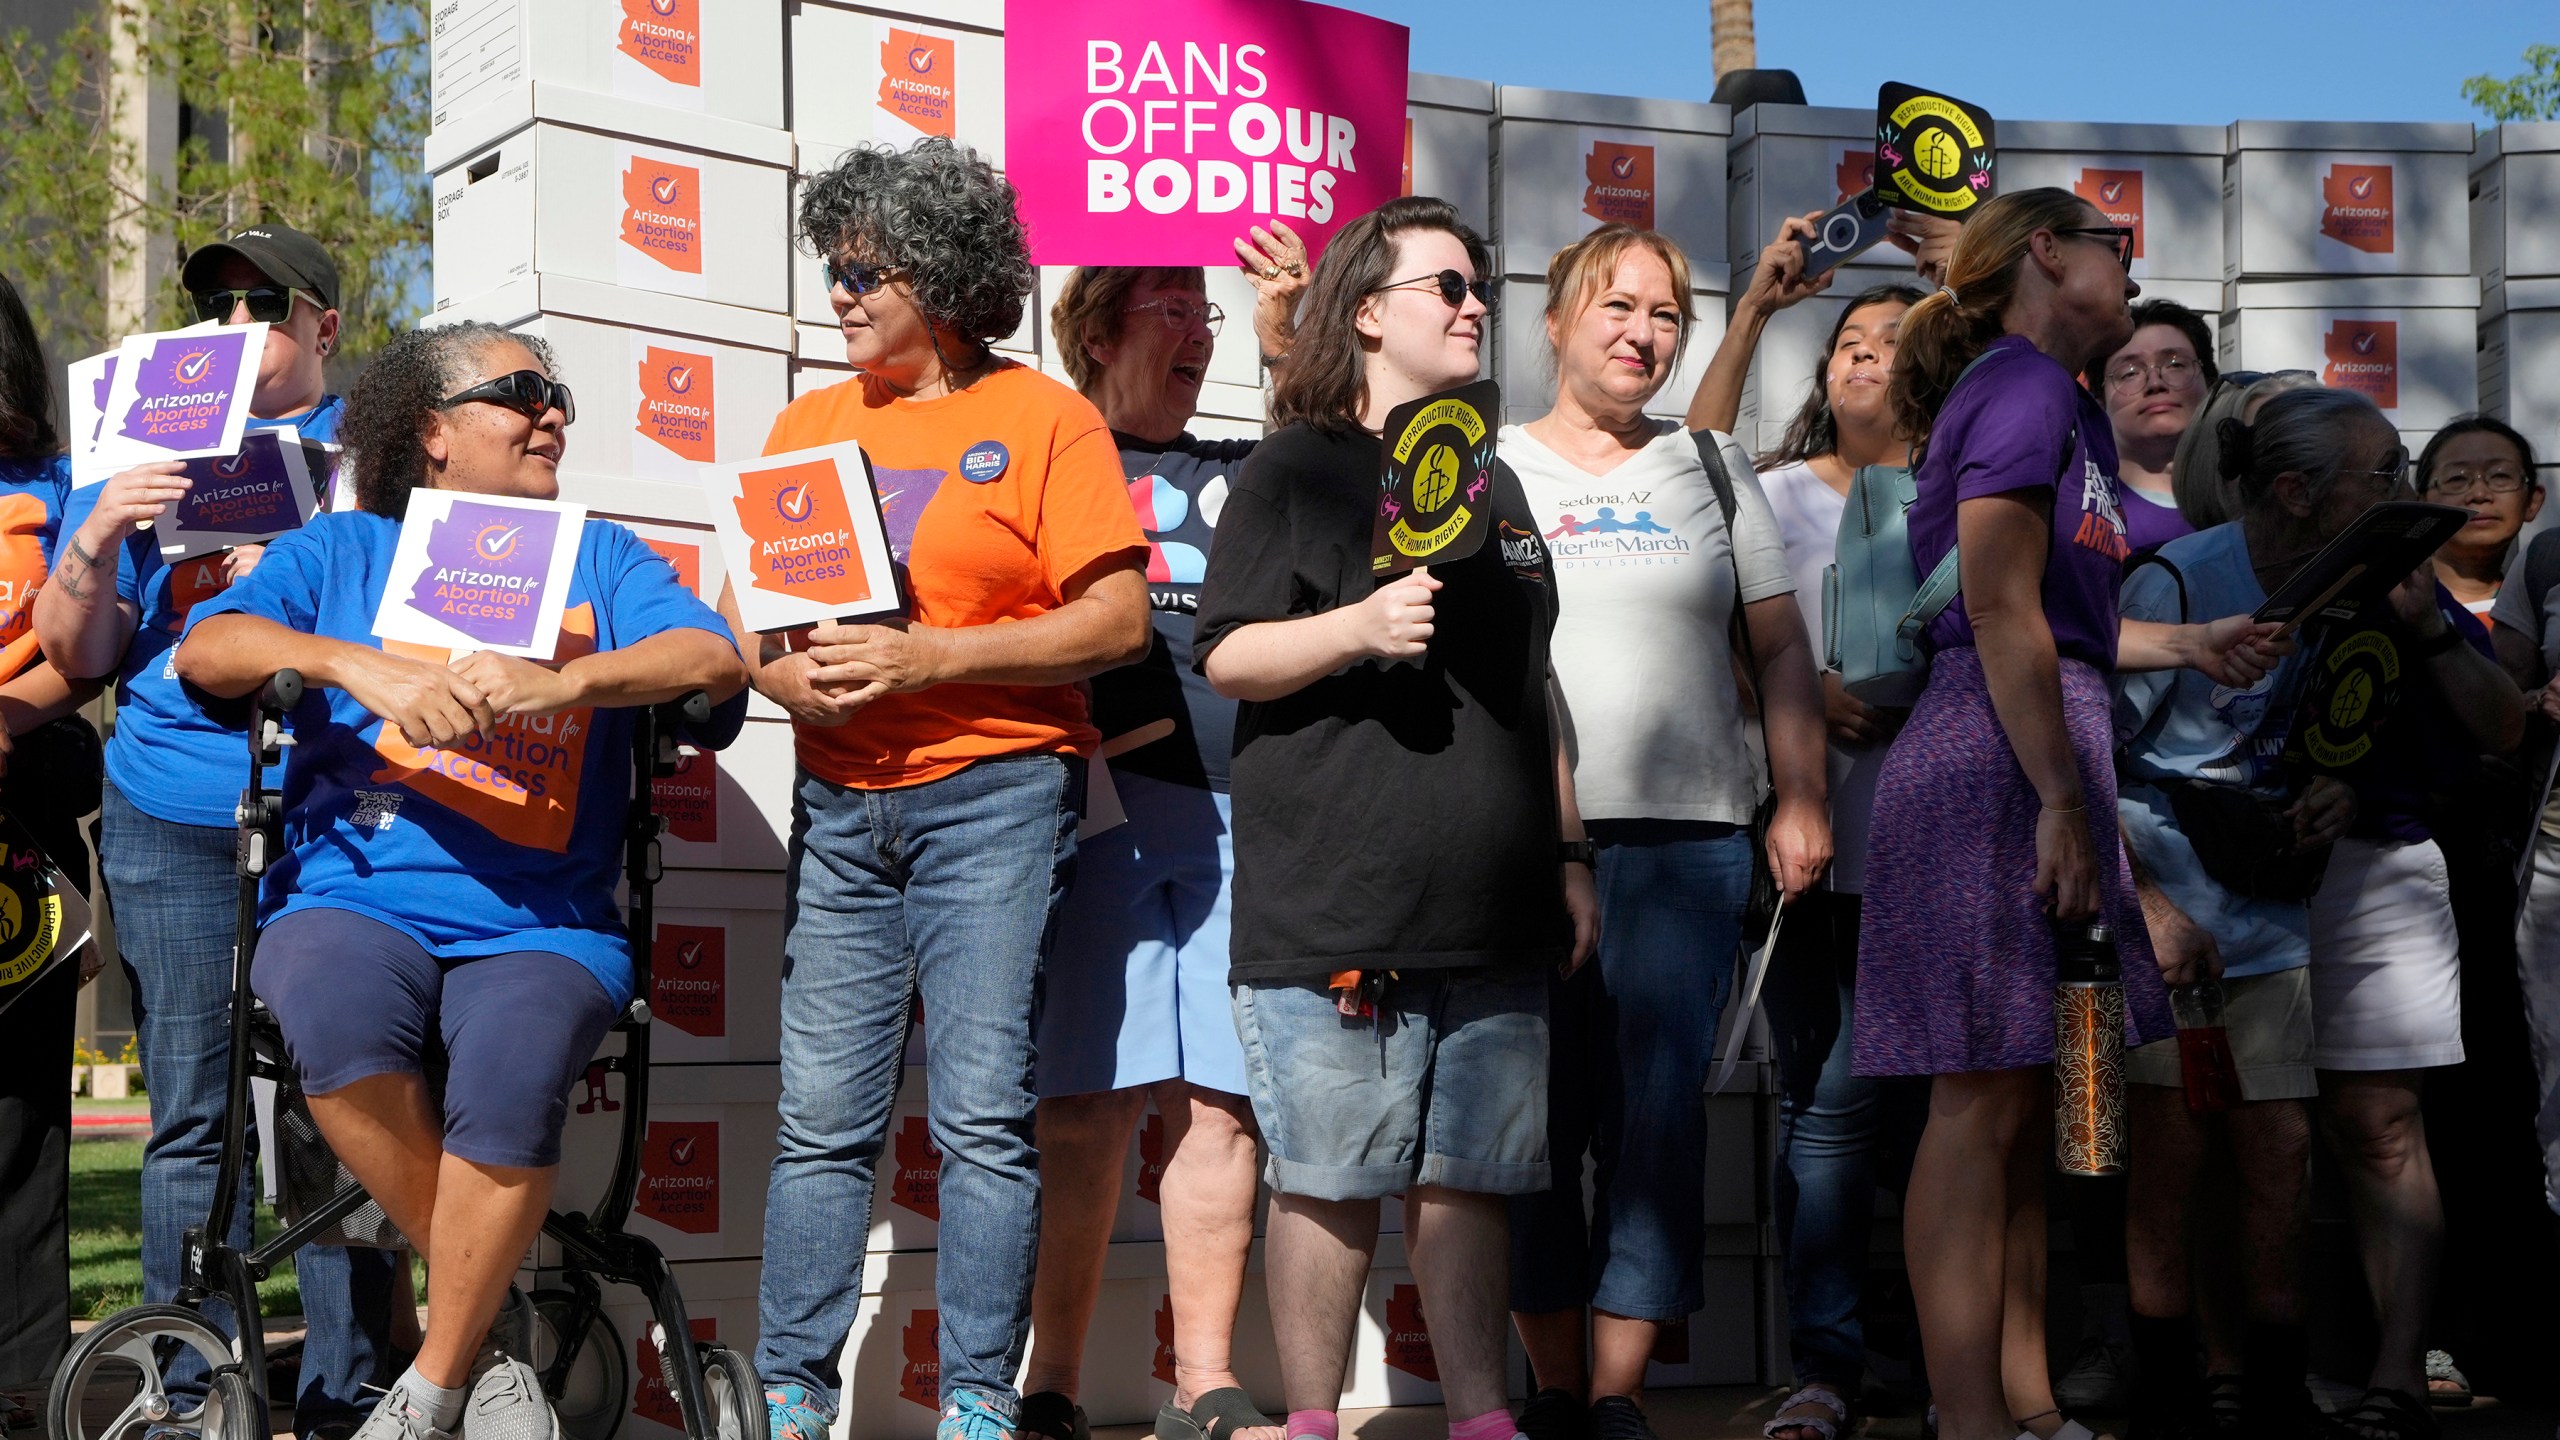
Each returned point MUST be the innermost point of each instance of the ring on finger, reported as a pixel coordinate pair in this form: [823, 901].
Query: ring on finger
[1270, 272]
[1295, 268]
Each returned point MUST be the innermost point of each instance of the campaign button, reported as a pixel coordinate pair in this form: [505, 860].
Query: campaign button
[983, 462]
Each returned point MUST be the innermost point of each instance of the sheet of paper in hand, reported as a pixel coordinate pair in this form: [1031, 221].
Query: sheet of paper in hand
[244, 499]
[803, 539]
[1934, 153]
[2376, 551]
[1435, 502]
[43, 921]
[481, 572]
[179, 394]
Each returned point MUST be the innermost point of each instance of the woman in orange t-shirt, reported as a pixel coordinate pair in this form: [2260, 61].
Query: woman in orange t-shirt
[942, 765]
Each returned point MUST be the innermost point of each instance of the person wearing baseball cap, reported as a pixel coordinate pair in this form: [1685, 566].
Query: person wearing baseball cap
[113, 606]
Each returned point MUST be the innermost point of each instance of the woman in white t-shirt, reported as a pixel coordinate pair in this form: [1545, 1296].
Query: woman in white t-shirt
[1650, 578]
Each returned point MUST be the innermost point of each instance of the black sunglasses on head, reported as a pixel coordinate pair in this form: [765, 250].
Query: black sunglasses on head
[2119, 236]
[526, 392]
[268, 304]
[1454, 288]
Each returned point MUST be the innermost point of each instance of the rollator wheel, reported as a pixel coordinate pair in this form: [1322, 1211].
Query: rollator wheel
[590, 1397]
[109, 1385]
[234, 1410]
[732, 1396]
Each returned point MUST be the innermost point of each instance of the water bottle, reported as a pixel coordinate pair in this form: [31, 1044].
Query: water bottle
[2088, 1051]
[2205, 1062]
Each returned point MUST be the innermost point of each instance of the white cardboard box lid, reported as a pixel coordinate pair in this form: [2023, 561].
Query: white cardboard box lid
[1807, 122]
[549, 101]
[2519, 295]
[1573, 107]
[2086, 137]
[714, 1084]
[987, 15]
[2516, 137]
[2349, 135]
[528, 296]
[720, 889]
[1448, 91]
[2396, 292]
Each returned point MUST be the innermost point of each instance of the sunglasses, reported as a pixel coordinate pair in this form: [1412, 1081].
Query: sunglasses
[527, 392]
[268, 304]
[1454, 288]
[858, 278]
[2119, 236]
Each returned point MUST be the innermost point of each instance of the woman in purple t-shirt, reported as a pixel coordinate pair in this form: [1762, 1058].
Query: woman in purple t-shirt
[1995, 812]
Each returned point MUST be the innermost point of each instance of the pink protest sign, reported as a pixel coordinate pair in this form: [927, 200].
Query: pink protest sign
[1152, 132]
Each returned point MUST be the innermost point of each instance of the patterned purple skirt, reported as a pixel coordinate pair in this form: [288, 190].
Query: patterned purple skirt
[1955, 953]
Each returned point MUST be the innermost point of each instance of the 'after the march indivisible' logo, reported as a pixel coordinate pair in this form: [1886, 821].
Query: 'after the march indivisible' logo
[688, 978]
[920, 80]
[676, 403]
[183, 389]
[1409, 1335]
[2118, 196]
[662, 212]
[1620, 184]
[800, 539]
[2355, 207]
[2364, 356]
[485, 569]
[664, 35]
[680, 1175]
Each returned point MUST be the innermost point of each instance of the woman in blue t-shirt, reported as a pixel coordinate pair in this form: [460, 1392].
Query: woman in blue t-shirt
[452, 836]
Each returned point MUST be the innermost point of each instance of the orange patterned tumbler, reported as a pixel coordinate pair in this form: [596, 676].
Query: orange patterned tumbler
[2088, 1052]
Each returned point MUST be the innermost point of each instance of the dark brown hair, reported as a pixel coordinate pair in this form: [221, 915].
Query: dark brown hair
[1946, 330]
[1814, 432]
[1089, 306]
[26, 385]
[2177, 317]
[2461, 425]
[1326, 380]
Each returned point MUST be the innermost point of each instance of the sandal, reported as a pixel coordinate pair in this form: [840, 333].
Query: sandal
[1215, 1415]
[2447, 1387]
[1815, 1393]
[2386, 1415]
[1048, 1414]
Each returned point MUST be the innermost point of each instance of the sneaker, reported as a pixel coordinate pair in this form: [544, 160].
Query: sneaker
[1615, 1417]
[2096, 1379]
[510, 1335]
[794, 1414]
[1554, 1414]
[507, 1403]
[974, 1415]
[1053, 1416]
[397, 1417]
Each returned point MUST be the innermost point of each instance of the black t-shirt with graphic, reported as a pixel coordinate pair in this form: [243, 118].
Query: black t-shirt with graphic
[1179, 489]
[1388, 816]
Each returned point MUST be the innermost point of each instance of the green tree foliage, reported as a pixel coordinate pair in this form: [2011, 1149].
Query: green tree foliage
[2533, 95]
[305, 111]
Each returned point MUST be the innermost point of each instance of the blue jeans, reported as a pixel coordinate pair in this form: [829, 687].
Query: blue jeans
[1839, 1137]
[175, 900]
[1633, 1036]
[948, 891]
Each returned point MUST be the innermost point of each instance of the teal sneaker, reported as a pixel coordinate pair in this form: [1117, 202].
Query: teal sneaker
[973, 1415]
[794, 1414]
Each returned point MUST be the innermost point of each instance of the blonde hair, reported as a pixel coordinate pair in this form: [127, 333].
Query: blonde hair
[1583, 269]
[1089, 305]
[1947, 329]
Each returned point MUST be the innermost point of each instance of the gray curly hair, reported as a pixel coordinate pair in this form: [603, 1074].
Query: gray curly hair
[941, 212]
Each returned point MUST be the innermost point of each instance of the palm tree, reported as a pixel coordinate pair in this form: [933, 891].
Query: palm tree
[1734, 49]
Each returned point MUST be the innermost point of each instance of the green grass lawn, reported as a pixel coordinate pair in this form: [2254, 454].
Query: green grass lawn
[106, 1234]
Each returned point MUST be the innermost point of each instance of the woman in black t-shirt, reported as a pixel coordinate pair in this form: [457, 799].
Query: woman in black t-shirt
[1404, 826]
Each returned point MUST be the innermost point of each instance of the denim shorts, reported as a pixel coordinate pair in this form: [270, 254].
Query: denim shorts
[1447, 1085]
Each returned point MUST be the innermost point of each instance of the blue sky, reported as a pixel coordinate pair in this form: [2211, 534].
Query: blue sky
[2174, 61]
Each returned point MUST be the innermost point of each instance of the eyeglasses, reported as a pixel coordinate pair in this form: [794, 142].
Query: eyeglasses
[858, 278]
[1181, 315]
[2172, 372]
[2501, 480]
[268, 304]
[527, 392]
[2119, 236]
[1454, 288]
[2393, 472]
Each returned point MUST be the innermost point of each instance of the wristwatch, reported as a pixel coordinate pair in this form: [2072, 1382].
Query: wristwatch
[1577, 852]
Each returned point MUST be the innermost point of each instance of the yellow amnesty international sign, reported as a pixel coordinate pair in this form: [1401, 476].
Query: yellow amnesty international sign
[1433, 500]
[1934, 153]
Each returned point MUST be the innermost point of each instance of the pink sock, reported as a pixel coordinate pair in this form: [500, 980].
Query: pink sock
[1315, 1425]
[1491, 1425]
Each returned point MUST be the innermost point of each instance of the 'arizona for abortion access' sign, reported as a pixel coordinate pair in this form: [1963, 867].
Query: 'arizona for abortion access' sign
[1152, 132]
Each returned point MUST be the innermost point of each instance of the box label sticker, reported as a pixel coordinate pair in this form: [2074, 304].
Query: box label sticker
[662, 238]
[650, 1397]
[680, 1175]
[687, 560]
[1408, 157]
[1151, 1159]
[1855, 175]
[920, 1369]
[2364, 356]
[2118, 196]
[688, 979]
[2355, 207]
[657, 52]
[1409, 1335]
[1620, 183]
[1163, 1369]
[690, 799]
[919, 81]
[678, 419]
[917, 1183]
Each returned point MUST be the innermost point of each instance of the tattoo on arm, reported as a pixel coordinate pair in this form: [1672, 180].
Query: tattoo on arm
[73, 569]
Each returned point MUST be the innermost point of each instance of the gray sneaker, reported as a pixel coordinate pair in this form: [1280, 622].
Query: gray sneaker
[510, 1335]
[398, 1417]
[507, 1404]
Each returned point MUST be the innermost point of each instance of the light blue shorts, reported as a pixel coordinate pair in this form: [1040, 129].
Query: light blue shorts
[1446, 1086]
[1137, 976]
